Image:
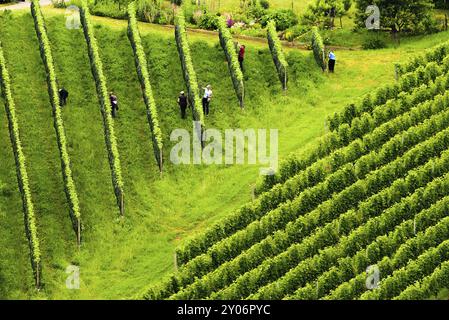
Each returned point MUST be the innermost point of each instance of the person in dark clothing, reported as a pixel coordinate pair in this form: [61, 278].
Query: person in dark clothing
[182, 102]
[63, 95]
[241, 56]
[114, 104]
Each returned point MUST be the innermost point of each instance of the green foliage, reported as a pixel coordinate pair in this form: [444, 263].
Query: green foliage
[231, 55]
[47, 58]
[370, 101]
[105, 107]
[310, 268]
[437, 54]
[284, 18]
[187, 68]
[395, 15]
[298, 174]
[144, 77]
[326, 235]
[344, 132]
[22, 175]
[416, 267]
[264, 4]
[373, 44]
[429, 286]
[277, 53]
[381, 236]
[318, 49]
[324, 12]
[208, 21]
[326, 212]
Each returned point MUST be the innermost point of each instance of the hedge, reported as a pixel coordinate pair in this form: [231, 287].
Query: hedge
[231, 55]
[363, 123]
[312, 267]
[436, 54]
[47, 58]
[318, 171]
[332, 233]
[428, 286]
[318, 49]
[105, 107]
[187, 68]
[278, 54]
[416, 268]
[22, 175]
[277, 219]
[422, 75]
[400, 251]
[143, 74]
[381, 236]
[295, 231]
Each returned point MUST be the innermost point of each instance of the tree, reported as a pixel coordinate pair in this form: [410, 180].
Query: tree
[397, 15]
[324, 12]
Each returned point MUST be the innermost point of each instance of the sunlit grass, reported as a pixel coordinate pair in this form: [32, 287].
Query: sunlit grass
[119, 257]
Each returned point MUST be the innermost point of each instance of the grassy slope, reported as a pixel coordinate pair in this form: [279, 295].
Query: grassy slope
[233, 5]
[40, 146]
[15, 271]
[121, 257]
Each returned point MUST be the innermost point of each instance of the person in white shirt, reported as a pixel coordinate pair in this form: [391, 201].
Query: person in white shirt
[332, 60]
[206, 99]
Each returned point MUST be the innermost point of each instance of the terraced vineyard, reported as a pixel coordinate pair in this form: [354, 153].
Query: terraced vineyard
[373, 195]
[366, 199]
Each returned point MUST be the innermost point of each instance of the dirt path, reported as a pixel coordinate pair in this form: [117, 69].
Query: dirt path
[24, 5]
[294, 44]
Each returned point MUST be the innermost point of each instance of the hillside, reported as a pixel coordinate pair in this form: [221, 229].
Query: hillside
[371, 198]
[121, 256]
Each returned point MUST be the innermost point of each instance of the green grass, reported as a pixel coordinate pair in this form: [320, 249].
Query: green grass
[120, 257]
[234, 5]
[40, 146]
[16, 277]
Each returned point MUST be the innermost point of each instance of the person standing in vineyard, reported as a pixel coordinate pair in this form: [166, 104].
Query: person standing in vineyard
[332, 60]
[63, 95]
[114, 104]
[241, 56]
[206, 99]
[182, 102]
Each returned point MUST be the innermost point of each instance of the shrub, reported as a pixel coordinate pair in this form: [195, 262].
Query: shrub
[188, 71]
[231, 55]
[105, 107]
[284, 19]
[22, 175]
[142, 71]
[373, 44]
[208, 21]
[299, 174]
[265, 4]
[277, 53]
[318, 48]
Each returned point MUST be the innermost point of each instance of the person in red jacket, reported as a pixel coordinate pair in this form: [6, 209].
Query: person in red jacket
[241, 56]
